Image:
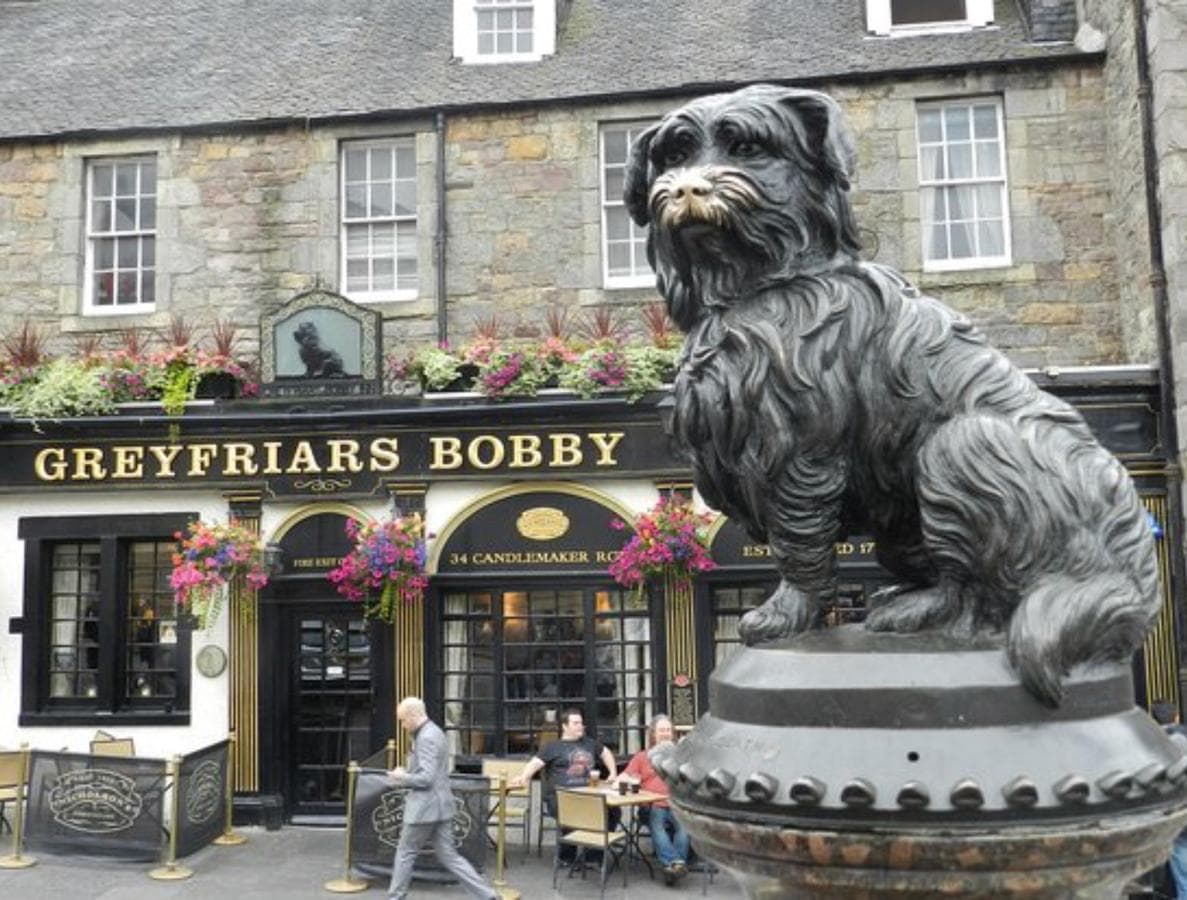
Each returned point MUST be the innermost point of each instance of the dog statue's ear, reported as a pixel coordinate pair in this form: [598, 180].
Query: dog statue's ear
[637, 185]
[827, 132]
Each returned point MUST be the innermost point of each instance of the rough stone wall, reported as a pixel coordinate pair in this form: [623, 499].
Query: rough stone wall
[1167, 41]
[1126, 221]
[1050, 20]
[247, 219]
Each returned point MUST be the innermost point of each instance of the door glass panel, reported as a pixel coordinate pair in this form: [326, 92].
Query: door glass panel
[332, 706]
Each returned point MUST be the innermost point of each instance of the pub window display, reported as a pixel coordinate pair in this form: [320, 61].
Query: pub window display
[101, 624]
[512, 659]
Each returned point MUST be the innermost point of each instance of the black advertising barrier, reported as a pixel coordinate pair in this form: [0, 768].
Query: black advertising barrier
[96, 805]
[378, 813]
[202, 797]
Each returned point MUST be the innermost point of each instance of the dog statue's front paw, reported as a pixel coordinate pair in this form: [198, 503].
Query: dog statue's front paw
[786, 612]
[762, 625]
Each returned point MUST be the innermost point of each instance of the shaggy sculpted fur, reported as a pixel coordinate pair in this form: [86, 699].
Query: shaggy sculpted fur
[320, 362]
[820, 395]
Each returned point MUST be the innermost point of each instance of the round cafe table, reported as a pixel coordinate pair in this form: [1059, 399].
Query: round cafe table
[631, 800]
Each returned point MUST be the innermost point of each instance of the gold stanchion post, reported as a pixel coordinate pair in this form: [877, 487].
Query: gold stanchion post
[504, 891]
[348, 884]
[16, 861]
[171, 871]
[391, 753]
[230, 837]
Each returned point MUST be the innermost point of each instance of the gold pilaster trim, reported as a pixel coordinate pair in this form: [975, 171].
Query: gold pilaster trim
[409, 663]
[1160, 655]
[244, 669]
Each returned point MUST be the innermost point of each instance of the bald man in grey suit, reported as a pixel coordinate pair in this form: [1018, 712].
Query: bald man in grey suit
[428, 806]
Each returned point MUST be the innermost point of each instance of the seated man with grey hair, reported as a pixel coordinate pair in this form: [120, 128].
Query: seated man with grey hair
[428, 806]
[667, 834]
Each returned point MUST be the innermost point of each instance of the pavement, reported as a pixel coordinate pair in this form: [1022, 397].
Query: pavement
[294, 863]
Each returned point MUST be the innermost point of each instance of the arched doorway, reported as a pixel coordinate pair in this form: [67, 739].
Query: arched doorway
[325, 671]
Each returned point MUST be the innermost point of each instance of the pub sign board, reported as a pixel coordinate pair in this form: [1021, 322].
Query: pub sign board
[534, 532]
[319, 344]
[357, 461]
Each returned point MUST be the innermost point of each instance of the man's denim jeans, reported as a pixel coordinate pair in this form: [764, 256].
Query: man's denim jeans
[669, 848]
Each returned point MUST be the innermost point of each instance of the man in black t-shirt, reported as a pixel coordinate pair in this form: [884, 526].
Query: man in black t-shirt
[568, 762]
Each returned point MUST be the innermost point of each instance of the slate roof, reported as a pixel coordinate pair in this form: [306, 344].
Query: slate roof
[85, 66]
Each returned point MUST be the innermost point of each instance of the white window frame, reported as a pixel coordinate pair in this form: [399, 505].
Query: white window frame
[978, 14]
[396, 219]
[137, 232]
[465, 30]
[927, 183]
[637, 279]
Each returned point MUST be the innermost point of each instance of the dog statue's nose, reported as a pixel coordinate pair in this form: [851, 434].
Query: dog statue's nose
[691, 185]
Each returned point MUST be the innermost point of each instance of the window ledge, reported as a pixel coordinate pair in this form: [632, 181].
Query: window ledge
[966, 265]
[502, 60]
[80, 717]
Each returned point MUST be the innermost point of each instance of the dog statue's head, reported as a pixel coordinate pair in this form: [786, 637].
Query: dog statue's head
[306, 335]
[740, 189]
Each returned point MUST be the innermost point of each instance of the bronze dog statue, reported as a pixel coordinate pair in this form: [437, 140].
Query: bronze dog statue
[820, 395]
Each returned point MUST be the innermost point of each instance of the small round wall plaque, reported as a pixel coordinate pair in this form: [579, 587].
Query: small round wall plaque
[542, 523]
[211, 661]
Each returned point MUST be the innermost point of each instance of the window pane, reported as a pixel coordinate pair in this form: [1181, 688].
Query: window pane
[503, 42]
[618, 224]
[126, 177]
[357, 275]
[381, 164]
[101, 215]
[384, 274]
[104, 289]
[356, 201]
[105, 253]
[504, 20]
[956, 123]
[127, 284]
[102, 180]
[988, 159]
[961, 237]
[382, 239]
[148, 252]
[148, 213]
[985, 121]
[74, 633]
[148, 178]
[960, 161]
[931, 163]
[618, 258]
[992, 238]
[127, 252]
[918, 12]
[356, 165]
[486, 42]
[125, 214]
[381, 200]
[405, 198]
[989, 201]
[614, 182]
[937, 242]
[358, 241]
[929, 126]
[148, 288]
[960, 203]
[151, 629]
[405, 162]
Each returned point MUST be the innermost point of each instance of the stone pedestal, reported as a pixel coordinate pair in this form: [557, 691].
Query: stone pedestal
[849, 764]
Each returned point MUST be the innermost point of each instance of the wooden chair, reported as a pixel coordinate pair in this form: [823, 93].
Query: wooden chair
[582, 822]
[113, 747]
[519, 800]
[12, 783]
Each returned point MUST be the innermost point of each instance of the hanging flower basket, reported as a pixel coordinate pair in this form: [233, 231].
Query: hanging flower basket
[386, 566]
[207, 558]
[668, 540]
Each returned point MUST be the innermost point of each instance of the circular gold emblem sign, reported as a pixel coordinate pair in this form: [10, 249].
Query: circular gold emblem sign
[211, 661]
[542, 523]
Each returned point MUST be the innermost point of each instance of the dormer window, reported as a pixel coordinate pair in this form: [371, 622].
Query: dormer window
[914, 16]
[501, 31]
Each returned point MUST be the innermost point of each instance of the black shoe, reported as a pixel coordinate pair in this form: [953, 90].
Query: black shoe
[669, 876]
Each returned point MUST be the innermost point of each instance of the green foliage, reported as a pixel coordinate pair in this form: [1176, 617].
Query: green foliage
[64, 388]
[436, 367]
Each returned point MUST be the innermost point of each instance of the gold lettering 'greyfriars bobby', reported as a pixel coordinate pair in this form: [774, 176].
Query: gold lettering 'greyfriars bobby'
[821, 395]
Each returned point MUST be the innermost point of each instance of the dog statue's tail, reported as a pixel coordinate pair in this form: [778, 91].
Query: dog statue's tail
[1064, 621]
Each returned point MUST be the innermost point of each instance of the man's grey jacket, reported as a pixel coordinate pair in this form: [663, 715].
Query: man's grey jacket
[429, 797]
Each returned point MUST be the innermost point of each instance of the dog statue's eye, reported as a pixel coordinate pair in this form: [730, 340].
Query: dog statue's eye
[675, 156]
[746, 149]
